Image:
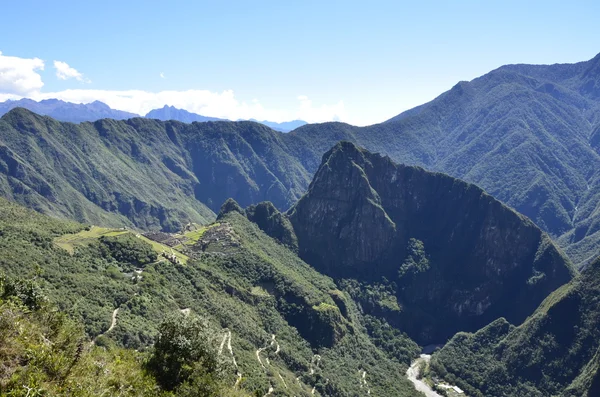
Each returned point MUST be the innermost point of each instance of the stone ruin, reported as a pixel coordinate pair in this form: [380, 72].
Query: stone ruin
[218, 239]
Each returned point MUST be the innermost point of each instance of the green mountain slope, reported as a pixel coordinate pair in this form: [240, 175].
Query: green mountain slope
[454, 257]
[289, 327]
[554, 352]
[526, 134]
[147, 173]
[529, 135]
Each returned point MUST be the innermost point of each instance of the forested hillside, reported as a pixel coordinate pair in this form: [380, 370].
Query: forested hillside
[528, 135]
[255, 316]
[555, 352]
[147, 173]
[271, 321]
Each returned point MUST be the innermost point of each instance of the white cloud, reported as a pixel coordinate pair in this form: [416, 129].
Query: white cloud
[307, 111]
[19, 76]
[162, 75]
[204, 102]
[65, 72]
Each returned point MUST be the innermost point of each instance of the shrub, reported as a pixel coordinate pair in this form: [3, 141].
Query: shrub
[185, 351]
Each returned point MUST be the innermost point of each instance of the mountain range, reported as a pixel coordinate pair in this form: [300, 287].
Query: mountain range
[167, 113]
[526, 134]
[67, 111]
[285, 126]
[288, 327]
[230, 257]
[76, 113]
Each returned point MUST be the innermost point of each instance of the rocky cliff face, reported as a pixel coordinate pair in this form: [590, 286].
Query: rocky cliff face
[456, 257]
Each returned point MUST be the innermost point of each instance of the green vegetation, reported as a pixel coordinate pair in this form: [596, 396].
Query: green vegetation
[185, 356]
[160, 248]
[246, 295]
[416, 259]
[273, 222]
[554, 352]
[126, 249]
[526, 134]
[44, 353]
[86, 236]
[91, 235]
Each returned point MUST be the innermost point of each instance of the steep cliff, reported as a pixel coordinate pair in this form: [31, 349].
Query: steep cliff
[454, 257]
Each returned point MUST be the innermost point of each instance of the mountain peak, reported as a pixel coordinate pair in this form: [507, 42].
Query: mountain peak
[366, 217]
[51, 101]
[67, 111]
[19, 112]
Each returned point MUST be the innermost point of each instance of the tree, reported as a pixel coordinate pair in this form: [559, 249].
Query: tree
[416, 260]
[186, 351]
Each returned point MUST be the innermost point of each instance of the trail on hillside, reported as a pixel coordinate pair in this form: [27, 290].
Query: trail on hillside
[114, 320]
[227, 341]
[362, 378]
[272, 343]
[260, 350]
[282, 380]
[186, 311]
[113, 324]
[413, 373]
[271, 390]
[314, 363]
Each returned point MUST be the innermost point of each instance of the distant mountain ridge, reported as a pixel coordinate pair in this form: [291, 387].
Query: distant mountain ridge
[80, 112]
[67, 111]
[285, 126]
[167, 113]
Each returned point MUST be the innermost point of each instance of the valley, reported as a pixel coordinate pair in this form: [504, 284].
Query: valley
[207, 257]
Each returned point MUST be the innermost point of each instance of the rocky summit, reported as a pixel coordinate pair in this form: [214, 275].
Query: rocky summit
[455, 257]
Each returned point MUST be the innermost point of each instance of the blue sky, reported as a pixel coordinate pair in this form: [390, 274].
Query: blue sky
[359, 62]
